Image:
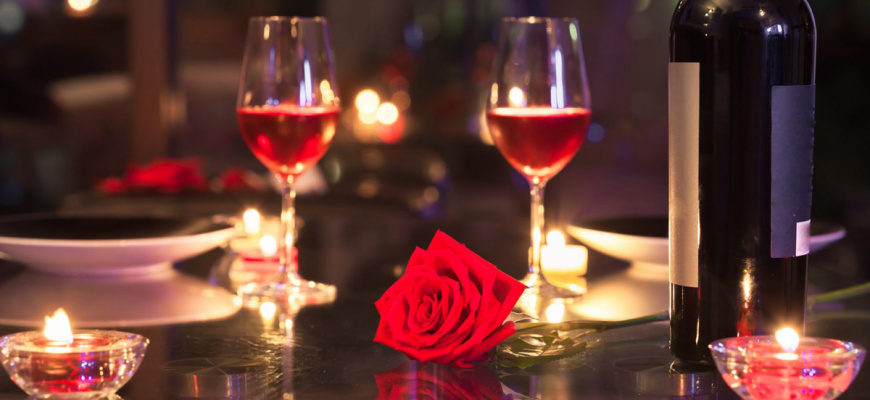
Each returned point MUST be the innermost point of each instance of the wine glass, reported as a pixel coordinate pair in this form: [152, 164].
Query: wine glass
[288, 111]
[538, 114]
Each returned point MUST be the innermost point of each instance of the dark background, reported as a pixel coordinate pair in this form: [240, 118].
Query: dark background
[65, 100]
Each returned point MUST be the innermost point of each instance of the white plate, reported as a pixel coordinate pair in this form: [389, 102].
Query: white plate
[644, 240]
[86, 245]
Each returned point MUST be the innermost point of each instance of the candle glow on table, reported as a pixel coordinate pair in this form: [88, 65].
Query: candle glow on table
[257, 249]
[786, 366]
[562, 264]
[62, 363]
[268, 246]
[257, 266]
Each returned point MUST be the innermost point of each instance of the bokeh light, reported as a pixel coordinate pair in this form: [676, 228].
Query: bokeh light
[387, 113]
[596, 133]
[367, 101]
[11, 17]
[81, 5]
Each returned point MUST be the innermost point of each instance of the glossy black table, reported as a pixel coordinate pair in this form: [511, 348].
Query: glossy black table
[327, 352]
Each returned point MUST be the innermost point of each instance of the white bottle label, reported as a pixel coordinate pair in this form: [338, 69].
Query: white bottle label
[684, 205]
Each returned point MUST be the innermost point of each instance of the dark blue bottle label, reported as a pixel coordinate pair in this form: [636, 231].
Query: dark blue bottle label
[791, 169]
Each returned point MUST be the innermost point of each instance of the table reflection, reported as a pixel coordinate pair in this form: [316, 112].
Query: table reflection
[415, 380]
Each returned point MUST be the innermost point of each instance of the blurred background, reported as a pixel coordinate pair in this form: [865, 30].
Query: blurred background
[89, 88]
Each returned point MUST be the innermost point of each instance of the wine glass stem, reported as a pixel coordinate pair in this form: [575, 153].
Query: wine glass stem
[537, 192]
[287, 231]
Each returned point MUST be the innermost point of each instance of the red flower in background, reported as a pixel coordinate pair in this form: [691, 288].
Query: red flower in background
[449, 307]
[112, 185]
[174, 176]
[167, 176]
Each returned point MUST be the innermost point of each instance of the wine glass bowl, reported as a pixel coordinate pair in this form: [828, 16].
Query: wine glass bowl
[288, 112]
[538, 113]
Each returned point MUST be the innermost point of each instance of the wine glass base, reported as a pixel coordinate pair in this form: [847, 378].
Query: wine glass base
[540, 295]
[294, 295]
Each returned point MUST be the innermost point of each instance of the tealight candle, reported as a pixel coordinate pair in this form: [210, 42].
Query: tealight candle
[563, 264]
[259, 265]
[251, 231]
[786, 366]
[85, 364]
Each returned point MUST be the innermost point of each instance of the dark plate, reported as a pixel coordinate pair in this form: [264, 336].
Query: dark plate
[104, 228]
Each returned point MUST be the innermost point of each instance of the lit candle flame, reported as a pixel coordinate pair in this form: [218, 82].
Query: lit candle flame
[57, 327]
[555, 239]
[788, 339]
[268, 245]
[251, 218]
[268, 310]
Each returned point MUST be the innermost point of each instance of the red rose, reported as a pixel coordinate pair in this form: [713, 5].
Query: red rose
[449, 307]
[412, 380]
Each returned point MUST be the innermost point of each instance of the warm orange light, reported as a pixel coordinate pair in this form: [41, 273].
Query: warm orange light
[555, 239]
[516, 97]
[81, 5]
[268, 245]
[367, 101]
[788, 339]
[555, 312]
[268, 310]
[387, 113]
[57, 327]
[251, 218]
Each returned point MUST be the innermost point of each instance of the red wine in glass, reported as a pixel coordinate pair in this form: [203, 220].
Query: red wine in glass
[288, 140]
[288, 112]
[538, 141]
[538, 111]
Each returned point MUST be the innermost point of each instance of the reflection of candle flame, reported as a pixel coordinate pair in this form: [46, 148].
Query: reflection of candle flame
[555, 312]
[748, 286]
[57, 327]
[251, 217]
[268, 245]
[516, 97]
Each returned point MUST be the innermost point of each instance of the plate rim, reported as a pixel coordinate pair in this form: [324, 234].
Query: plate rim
[838, 232]
[225, 228]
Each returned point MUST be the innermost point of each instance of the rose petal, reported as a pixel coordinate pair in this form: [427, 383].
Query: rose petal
[455, 318]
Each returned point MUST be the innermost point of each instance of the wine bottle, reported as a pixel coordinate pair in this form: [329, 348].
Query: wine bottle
[741, 116]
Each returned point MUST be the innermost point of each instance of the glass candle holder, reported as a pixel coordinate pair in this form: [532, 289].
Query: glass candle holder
[758, 367]
[95, 365]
